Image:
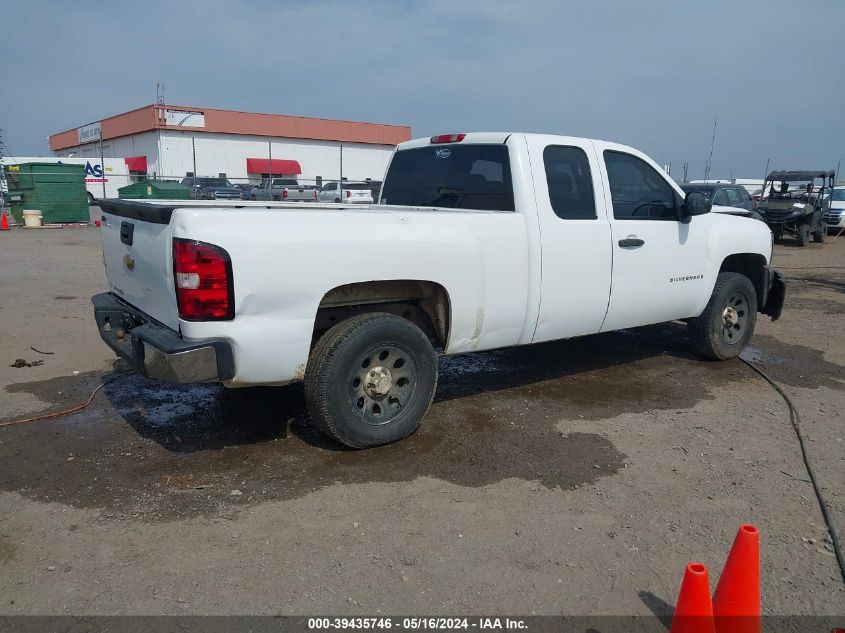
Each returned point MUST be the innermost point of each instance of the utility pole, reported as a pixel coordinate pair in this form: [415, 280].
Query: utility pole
[3, 186]
[270, 167]
[194, 154]
[102, 163]
[686, 172]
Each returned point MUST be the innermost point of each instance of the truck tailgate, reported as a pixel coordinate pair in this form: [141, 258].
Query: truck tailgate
[137, 253]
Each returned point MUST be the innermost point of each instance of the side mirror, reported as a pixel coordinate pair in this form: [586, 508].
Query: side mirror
[694, 204]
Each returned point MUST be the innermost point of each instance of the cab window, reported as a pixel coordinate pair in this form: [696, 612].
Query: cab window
[570, 182]
[637, 191]
[721, 198]
[734, 198]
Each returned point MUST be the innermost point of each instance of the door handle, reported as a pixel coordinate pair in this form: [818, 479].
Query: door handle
[630, 242]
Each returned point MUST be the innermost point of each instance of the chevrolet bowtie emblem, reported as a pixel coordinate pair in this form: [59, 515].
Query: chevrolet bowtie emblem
[128, 262]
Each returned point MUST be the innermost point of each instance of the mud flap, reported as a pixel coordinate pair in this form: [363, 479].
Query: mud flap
[775, 295]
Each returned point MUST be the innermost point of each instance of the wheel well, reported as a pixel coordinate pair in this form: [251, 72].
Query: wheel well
[424, 303]
[753, 266]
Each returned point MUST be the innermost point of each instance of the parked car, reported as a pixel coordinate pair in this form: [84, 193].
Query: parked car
[284, 189]
[245, 189]
[203, 188]
[835, 207]
[482, 241]
[349, 192]
[794, 204]
[723, 195]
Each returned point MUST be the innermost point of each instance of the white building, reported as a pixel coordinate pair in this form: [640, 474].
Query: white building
[172, 142]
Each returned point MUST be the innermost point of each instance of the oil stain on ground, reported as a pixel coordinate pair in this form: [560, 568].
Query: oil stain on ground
[157, 452]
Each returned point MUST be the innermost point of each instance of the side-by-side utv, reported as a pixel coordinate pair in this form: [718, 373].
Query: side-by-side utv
[793, 204]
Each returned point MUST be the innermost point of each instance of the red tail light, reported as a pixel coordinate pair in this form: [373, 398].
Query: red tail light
[348, 193]
[204, 287]
[285, 194]
[447, 138]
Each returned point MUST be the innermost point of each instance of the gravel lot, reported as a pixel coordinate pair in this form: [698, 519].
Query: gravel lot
[575, 477]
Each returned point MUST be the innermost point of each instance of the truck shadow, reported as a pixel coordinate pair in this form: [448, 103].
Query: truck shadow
[589, 373]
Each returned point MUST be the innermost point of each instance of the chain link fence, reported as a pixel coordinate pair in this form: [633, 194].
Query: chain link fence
[66, 189]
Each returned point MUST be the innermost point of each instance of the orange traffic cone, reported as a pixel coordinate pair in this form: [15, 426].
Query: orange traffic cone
[694, 610]
[4, 222]
[736, 603]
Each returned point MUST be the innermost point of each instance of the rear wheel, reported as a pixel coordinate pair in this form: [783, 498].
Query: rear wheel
[802, 235]
[724, 328]
[818, 236]
[370, 380]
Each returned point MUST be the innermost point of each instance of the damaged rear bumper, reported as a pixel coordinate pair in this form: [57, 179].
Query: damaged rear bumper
[156, 351]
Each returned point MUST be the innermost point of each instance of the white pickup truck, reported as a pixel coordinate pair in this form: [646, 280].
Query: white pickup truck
[480, 241]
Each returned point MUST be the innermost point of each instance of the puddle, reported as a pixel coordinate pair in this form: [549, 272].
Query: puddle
[796, 365]
[752, 354]
[156, 451]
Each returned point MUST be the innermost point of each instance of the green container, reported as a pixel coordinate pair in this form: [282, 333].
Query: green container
[154, 189]
[55, 189]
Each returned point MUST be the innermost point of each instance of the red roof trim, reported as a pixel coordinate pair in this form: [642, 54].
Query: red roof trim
[279, 166]
[244, 123]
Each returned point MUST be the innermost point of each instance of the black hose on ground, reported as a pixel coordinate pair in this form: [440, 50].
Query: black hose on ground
[796, 425]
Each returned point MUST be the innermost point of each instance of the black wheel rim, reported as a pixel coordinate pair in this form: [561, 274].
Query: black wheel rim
[734, 318]
[382, 384]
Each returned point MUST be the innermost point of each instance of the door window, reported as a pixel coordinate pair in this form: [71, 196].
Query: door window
[570, 182]
[637, 191]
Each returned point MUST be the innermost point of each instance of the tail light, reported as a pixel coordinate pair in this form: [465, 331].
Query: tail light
[204, 287]
[348, 193]
[285, 194]
[447, 138]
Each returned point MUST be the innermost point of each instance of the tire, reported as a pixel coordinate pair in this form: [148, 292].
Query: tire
[717, 333]
[337, 200]
[777, 233]
[802, 235]
[818, 236]
[342, 402]
[91, 201]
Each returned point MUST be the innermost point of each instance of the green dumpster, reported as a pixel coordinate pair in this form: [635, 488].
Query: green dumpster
[55, 189]
[154, 189]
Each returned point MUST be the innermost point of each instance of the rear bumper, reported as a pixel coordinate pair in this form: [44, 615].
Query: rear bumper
[156, 351]
[774, 293]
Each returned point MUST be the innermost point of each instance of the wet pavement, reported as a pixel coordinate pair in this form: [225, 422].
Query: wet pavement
[158, 451]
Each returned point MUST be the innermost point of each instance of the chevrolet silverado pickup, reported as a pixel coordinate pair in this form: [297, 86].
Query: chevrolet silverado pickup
[478, 241]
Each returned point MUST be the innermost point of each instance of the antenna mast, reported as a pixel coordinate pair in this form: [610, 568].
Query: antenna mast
[710, 159]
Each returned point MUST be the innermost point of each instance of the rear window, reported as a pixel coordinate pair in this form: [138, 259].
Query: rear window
[284, 182]
[452, 176]
[357, 186]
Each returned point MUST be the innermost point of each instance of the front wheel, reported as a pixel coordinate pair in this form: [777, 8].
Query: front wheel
[724, 328]
[91, 200]
[818, 236]
[802, 235]
[370, 380]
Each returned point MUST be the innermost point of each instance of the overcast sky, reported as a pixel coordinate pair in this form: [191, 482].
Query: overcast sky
[648, 73]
